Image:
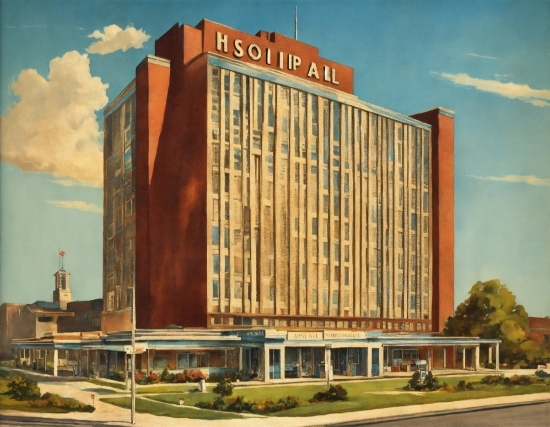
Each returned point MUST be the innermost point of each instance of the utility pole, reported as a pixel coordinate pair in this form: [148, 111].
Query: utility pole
[133, 358]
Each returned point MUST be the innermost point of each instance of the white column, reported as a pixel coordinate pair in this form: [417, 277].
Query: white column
[464, 358]
[266, 363]
[497, 357]
[327, 365]
[369, 362]
[55, 361]
[282, 362]
[444, 358]
[490, 354]
[476, 363]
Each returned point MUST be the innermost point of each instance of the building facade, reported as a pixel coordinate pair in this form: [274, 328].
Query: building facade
[246, 185]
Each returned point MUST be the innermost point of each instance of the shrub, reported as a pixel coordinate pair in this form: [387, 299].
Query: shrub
[54, 400]
[117, 376]
[224, 388]
[217, 404]
[194, 375]
[334, 393]
[492, 379]
[415, 380]
[542, 374]
[180, 378]
[238, 404]
[241, 404]
[152, 378]
[215, 378]
[166, 376]
[233, 376]
[430, 382]
[463, 386]
[20, 388]
[519, 380]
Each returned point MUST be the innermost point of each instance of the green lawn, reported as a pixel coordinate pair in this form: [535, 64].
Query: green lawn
[160, 409]
[119, 386]
[362, 395]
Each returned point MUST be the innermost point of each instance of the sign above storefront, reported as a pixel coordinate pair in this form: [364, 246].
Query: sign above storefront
[335, 335]
[305, 336]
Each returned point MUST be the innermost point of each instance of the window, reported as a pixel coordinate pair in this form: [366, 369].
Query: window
[325, 249]
[346, 253]
[227, 183]
[160, 360]
[314, 226]
[413, 221]
[335, 297]
[314, 296]
[325, 203]
[216, 182]
[337, 252]
[325, 179]
[346, 207]
[215, 235]
[238, 159]
[346, 276]
[346, 231]
[215, 289]
[346, 183]
[216, 264]
[413, 302]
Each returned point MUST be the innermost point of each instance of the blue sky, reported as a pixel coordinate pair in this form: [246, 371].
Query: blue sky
[486, 60]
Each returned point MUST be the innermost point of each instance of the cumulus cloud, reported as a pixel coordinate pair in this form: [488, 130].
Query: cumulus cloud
[76, 204]
[481, 56]
[115, 38]
[53, 128]
[537, 97]
[526, 179]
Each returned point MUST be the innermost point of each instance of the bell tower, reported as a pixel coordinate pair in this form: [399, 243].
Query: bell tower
[62, 293]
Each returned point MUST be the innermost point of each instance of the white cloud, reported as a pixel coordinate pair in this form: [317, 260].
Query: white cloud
[53, 128]
[72, 183]
[537, 97]
[481, 56]
[76, 204]
[526, 179]
[115, 38]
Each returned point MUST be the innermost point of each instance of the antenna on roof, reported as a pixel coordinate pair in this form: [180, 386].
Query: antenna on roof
[296, 24]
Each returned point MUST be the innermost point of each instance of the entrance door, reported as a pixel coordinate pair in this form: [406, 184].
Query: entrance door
[340, 361]
[274, 363]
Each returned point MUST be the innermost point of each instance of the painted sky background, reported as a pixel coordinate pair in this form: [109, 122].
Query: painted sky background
[489, 61]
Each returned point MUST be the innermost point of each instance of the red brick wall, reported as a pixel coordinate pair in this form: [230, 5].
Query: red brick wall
[171, 192]
[442, 215]
[539, 329]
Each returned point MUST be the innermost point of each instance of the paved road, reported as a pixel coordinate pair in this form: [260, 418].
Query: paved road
[530, 415]
[23, 421]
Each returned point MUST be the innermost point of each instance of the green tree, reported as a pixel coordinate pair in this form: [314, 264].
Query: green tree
[491, 311]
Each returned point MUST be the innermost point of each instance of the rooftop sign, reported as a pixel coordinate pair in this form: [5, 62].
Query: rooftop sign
[277, 52]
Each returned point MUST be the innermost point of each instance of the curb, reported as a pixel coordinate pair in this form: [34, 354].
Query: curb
[435, 413]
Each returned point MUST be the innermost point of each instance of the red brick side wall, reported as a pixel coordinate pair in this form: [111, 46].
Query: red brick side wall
[442, 214]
